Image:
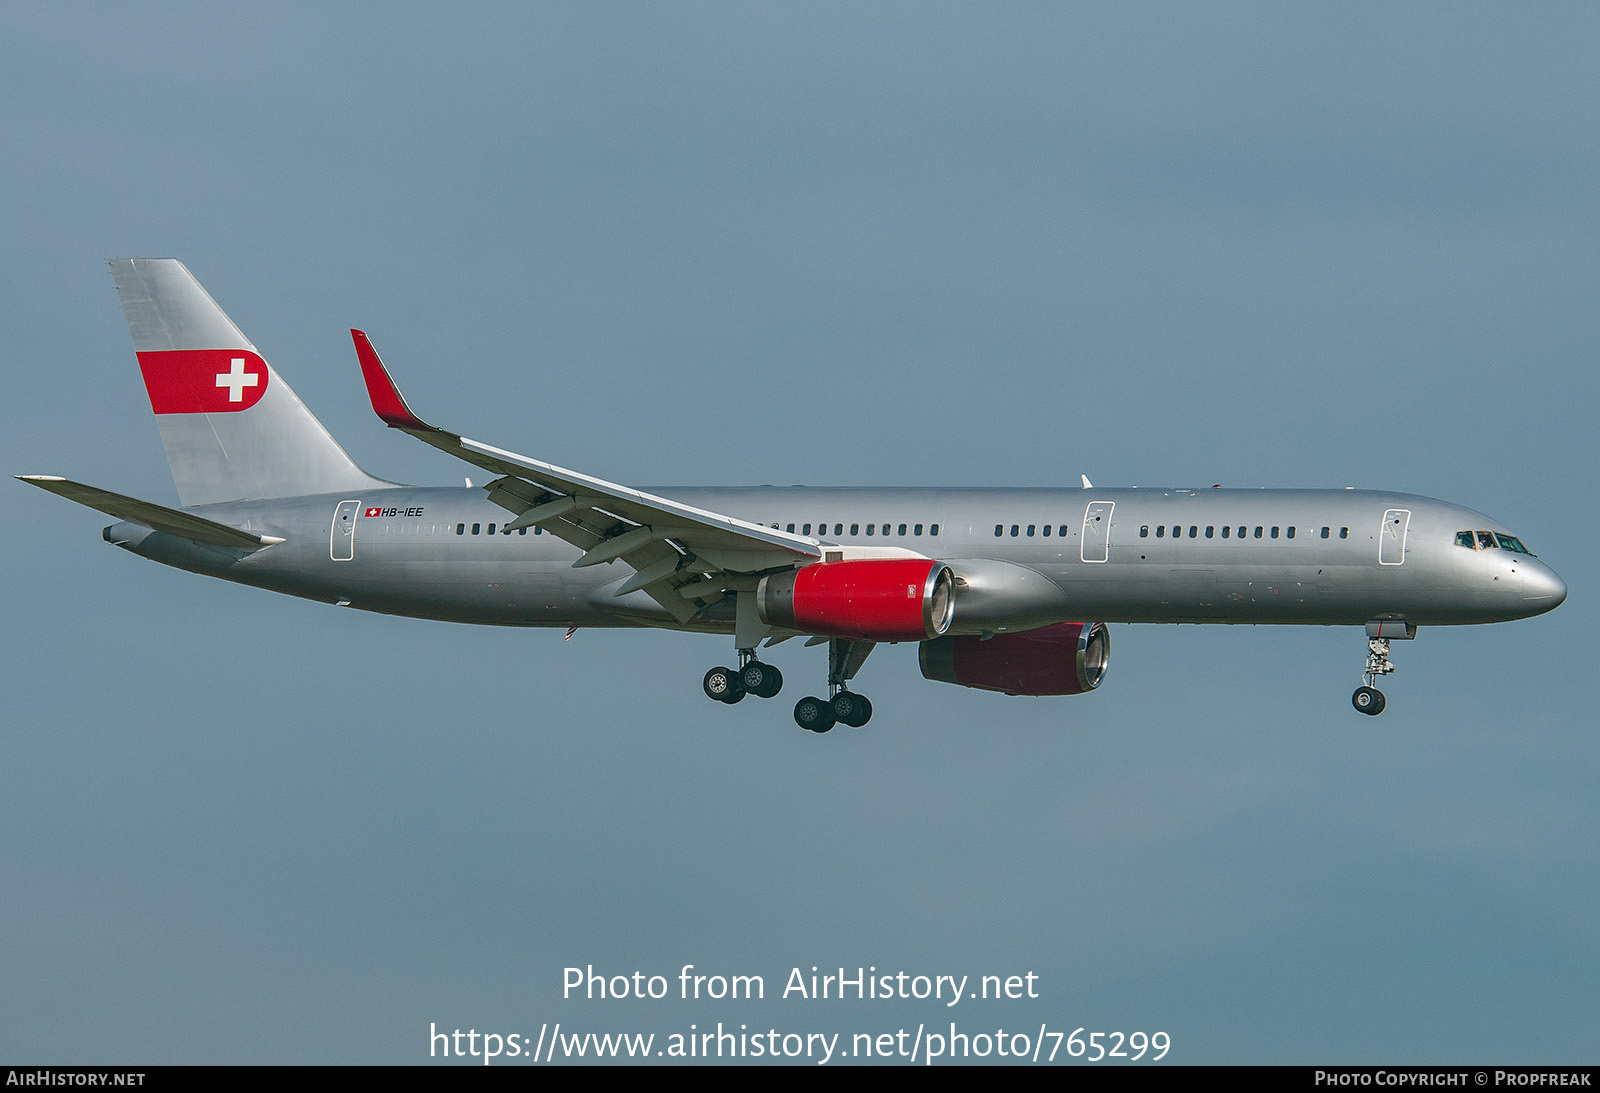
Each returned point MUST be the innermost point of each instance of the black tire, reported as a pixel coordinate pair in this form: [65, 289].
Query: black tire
[723, 685]
[761, 680]
[1369, 700]
[777, 682]
[851, 709]
[813, 714]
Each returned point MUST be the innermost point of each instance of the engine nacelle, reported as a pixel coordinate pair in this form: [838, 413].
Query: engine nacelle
[875, 599]
[1065, 659]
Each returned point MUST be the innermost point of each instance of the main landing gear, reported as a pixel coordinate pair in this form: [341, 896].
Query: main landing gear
[751, 677]
[1368, 699]
[842, 706]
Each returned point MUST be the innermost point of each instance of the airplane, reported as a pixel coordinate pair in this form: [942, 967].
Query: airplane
[1006, 590]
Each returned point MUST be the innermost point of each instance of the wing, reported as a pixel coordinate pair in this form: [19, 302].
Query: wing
[684, 557]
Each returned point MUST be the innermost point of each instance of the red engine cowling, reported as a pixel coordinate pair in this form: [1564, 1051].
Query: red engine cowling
[1065, 659]
[876, 599]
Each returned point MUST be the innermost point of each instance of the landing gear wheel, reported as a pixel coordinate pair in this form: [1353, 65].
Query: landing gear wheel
[761, 680]
[1369, 700]
[813, 714]
[724, 685]
[851, 709]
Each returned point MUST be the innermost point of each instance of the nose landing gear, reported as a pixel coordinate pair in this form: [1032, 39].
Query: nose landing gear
[1368, 699]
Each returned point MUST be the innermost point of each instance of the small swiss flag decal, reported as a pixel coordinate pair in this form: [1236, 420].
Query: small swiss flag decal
[373, 512]
[203, 381]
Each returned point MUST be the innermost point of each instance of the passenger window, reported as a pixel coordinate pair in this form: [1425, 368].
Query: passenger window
[855, 529]
[838, 529]
[1030, 531]
[790, 529]
[522, 531]
[1274, 531]
[1161, 531]
[476, 528]
[1062, 531]
[1242, 530]
[870, 527]
[1291, 531]
[1209, 530]
[1225, 529]
[1047, 531]
[917, 529]
[805, 529]
[1015, 530]
[1344, 533]
[491, 529]
[902, 530]
[933, 530]
[1144, 531]
[1176, 531]
[1258, 531]
[461, 529]
[999, 530]
[1324, 533]
[1194, 531]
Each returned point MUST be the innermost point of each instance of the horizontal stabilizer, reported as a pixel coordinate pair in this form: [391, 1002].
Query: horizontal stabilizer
[151, 515]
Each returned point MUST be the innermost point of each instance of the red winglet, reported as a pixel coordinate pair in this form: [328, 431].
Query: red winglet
[387, 401]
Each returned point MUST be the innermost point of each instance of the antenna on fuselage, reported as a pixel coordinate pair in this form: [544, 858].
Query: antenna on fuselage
[1086, 483]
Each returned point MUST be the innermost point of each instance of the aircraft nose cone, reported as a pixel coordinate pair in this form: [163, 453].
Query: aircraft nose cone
[1543, 587]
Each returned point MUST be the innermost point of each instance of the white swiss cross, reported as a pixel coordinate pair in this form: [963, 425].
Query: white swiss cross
[237, 380]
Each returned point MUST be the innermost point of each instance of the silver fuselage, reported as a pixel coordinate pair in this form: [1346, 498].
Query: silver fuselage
[1023, 557]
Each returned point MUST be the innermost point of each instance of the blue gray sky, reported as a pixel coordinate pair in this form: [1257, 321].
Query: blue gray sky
[1260, 245]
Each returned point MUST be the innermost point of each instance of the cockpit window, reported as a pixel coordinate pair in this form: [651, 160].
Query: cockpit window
[1491, 540]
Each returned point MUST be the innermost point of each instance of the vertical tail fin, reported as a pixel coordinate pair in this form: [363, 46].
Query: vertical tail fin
[232, 428]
